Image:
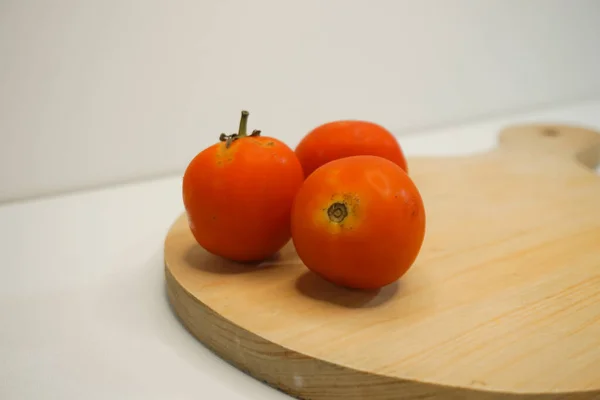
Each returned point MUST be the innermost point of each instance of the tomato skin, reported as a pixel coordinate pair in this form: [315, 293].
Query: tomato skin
[238, 199]
[338, 139]
[381, 235]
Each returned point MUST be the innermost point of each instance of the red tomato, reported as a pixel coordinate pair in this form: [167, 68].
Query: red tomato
[358, 222]
[238, 195]
[338, 139]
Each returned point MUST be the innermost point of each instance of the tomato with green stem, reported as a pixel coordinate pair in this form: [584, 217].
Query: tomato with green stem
[238, 194]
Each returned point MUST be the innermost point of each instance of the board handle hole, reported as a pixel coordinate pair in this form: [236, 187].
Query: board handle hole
[549, 132]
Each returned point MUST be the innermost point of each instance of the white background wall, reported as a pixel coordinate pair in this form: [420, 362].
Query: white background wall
[96, 92]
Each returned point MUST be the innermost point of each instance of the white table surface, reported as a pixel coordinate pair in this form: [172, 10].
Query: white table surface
[83, 311]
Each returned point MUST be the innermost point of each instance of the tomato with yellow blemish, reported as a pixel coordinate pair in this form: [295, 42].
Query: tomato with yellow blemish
[358, 222]
[238, 195]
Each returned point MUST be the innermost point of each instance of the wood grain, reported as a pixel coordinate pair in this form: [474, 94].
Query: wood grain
[502, 302]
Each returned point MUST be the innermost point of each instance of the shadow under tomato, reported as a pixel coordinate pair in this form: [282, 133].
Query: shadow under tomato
[317, 288]
[199, 258]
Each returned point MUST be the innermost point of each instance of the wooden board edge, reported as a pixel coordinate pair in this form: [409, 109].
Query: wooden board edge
[304, 377]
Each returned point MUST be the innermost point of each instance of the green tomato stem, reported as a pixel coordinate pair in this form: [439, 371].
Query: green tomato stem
[242, 131]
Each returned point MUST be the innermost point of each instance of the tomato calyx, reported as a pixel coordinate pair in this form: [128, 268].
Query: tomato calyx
[228, 139]
[337, 212]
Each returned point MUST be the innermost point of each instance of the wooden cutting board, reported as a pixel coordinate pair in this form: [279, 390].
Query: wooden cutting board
[503, 300]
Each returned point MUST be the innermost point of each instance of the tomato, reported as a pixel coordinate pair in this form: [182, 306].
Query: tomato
[339, 139]
[238, 195]
[358, 222]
